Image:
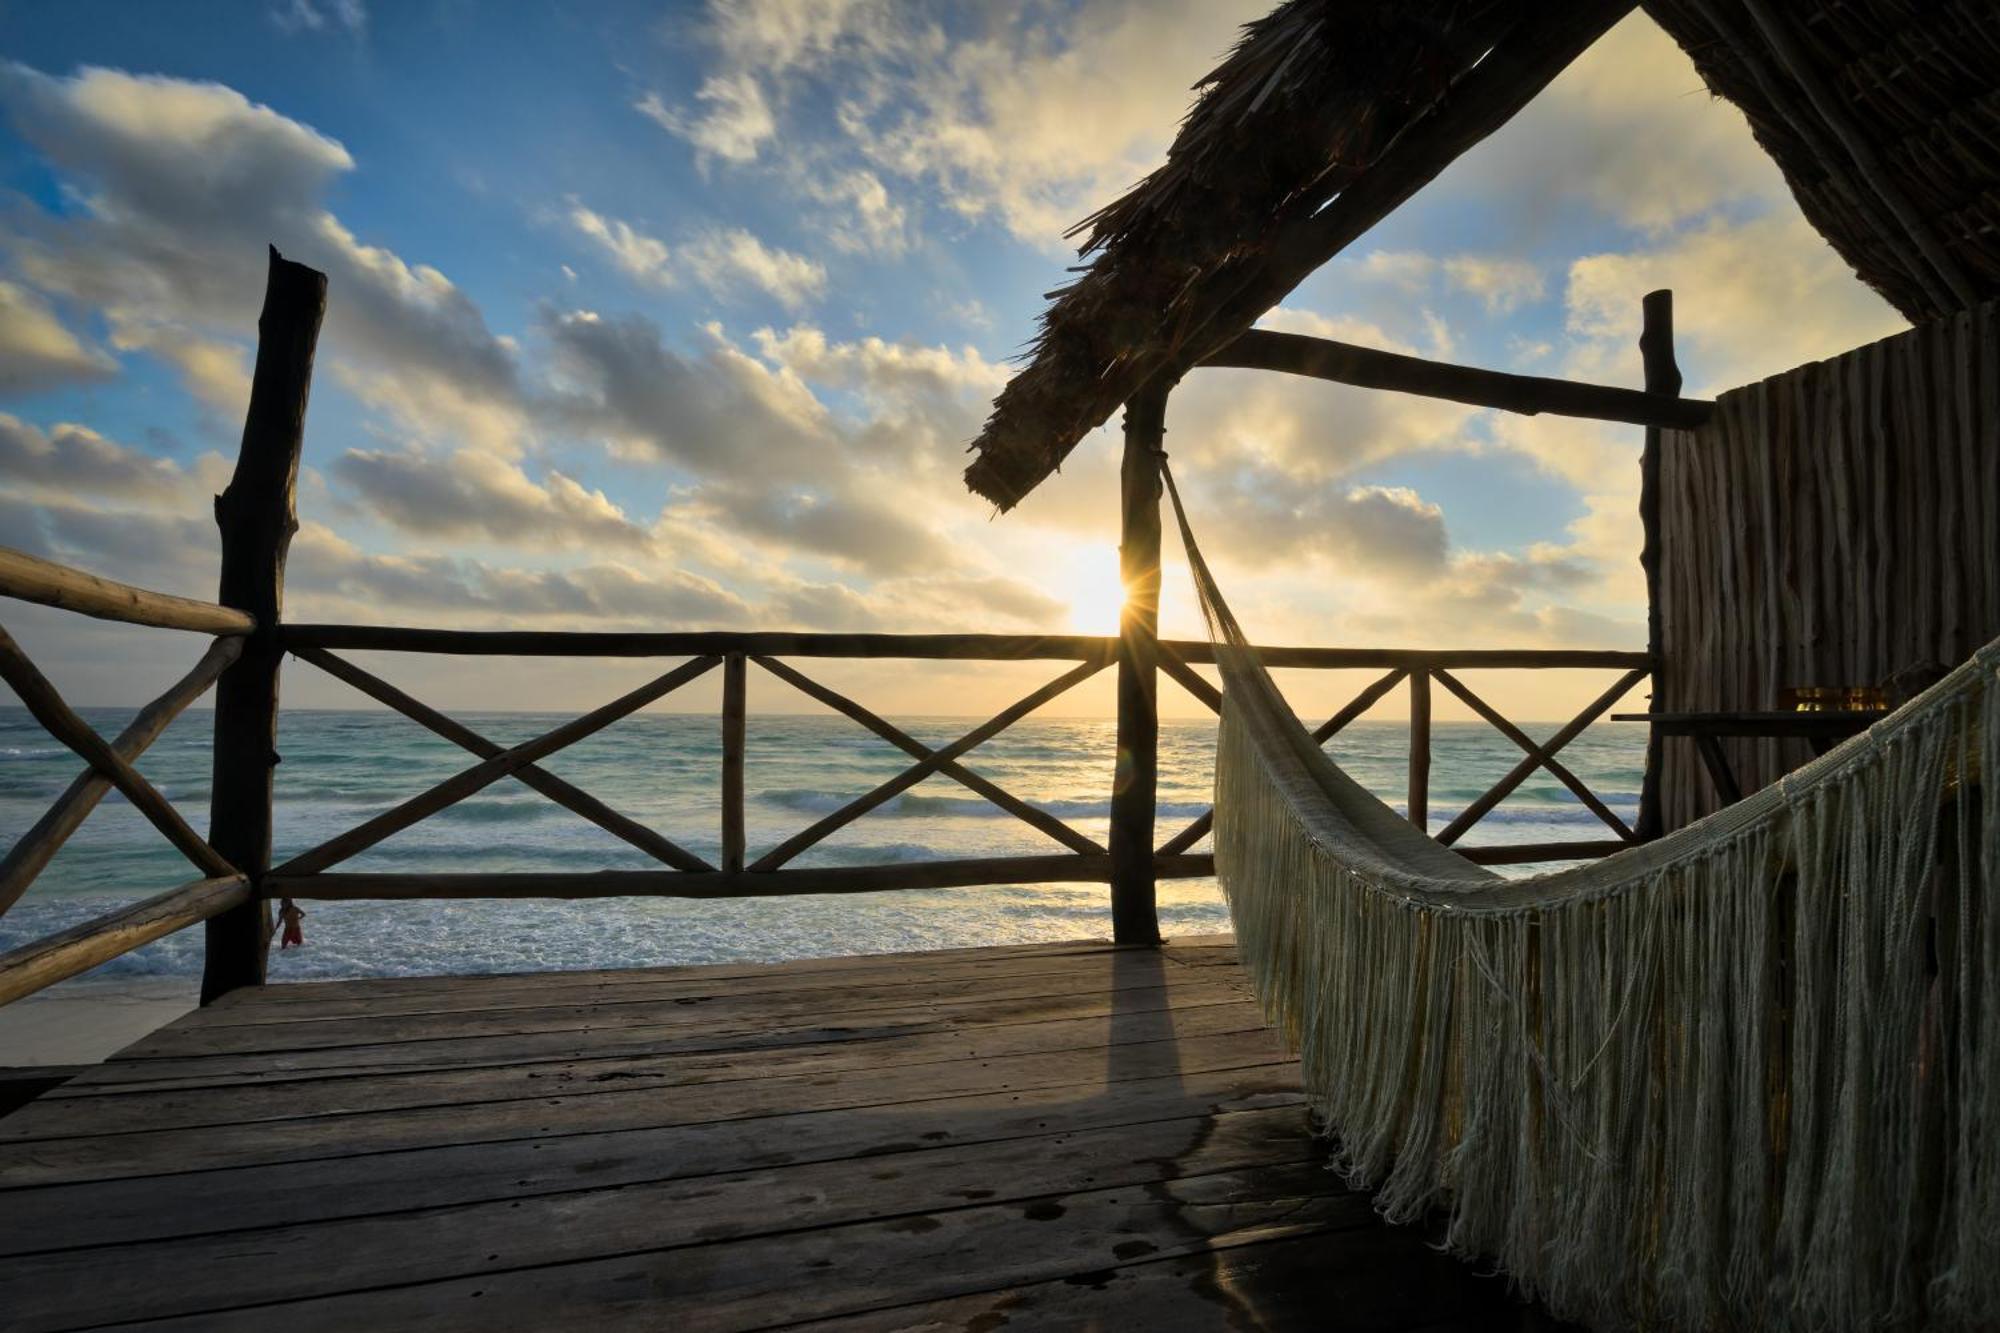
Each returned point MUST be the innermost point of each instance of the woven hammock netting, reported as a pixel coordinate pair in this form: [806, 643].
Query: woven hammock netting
[1744, 1076]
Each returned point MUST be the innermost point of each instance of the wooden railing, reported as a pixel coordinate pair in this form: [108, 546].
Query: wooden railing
[256, 517]
[109, 764]
[770, 871]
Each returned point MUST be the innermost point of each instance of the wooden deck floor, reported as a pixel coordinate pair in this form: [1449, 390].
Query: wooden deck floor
[1055, 1136]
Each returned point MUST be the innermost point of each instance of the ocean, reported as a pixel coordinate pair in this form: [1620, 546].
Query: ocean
[662, 769]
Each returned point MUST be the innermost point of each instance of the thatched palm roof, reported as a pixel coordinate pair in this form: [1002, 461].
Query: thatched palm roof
[1883, 114]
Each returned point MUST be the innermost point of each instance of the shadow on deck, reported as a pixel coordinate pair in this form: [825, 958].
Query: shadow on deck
[1049, 1136]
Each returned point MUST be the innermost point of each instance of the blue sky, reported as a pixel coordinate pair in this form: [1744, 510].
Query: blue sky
[650, 315]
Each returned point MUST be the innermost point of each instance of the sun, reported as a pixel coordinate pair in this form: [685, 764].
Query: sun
[1091, 584]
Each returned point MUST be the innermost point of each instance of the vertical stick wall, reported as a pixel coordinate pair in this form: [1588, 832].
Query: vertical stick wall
[1830, 526]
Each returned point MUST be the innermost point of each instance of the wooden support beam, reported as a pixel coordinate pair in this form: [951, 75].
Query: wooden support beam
[1478, 810]
[923, 768]
[1530, 853]
[1184, 676]
[1058, 868]
[257, 516]
[1419, 796]
[33, 579]
[916, 749]
[44, 962]
[461, 785]
[1550, 762]
[60, 721]
[1663, 376]
[32, 850]
[1136, 777]
[1360, 704]
[734, 691]
[1196, 830]
[548, 784]
[1530, 395]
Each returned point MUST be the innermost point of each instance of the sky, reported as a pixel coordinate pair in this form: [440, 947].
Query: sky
[680, 316]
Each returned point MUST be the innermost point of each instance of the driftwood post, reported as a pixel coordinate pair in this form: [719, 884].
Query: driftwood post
[1136, 780]
[1663, 376]
[257, 518]
[734, 688]
[1419, 795]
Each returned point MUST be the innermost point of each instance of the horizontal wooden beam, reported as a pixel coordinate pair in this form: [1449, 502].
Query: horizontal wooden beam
[1053, 869]
[33, 849]
[963, 647]
[1529, 395]
[1529, 853]
[41, 963]
[33, 579]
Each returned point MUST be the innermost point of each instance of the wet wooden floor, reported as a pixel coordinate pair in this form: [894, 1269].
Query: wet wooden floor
[1054, 1136]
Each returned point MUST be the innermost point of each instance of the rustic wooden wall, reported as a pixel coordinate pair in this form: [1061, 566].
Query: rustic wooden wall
[1829, 526]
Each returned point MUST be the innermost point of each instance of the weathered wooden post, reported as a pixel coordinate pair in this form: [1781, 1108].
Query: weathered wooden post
[1136, 779]
[734, 689]
[1419, 797]
[257, 517]
[1663, 376]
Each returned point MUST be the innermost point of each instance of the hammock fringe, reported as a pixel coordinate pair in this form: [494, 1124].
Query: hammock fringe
[1741, 1077]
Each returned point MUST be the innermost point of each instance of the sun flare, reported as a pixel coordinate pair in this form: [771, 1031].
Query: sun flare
[1096, 594]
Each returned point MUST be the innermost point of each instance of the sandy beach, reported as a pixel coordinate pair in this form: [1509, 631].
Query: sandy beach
[84, 1021]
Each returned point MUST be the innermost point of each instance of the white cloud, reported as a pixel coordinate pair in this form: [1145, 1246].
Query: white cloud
[37, 351]
[474, 495]
[320, 15]
[728, 259]
[637, 254]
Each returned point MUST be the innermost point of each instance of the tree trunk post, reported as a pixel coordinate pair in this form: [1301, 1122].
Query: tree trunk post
[257, 517]
[1136, 779]
[1663, 376]
[1418, 798]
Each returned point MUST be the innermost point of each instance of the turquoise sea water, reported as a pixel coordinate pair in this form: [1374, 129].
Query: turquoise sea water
[662, 769]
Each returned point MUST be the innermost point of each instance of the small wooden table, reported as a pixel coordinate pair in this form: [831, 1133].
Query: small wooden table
[1821, 730]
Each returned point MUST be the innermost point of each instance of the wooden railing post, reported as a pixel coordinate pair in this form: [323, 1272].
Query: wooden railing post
[257, 517]
[734, 688]
[1663, 376]
[1136, 780]
[1420, 748]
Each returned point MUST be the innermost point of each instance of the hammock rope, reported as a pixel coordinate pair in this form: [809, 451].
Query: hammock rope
[1742, 1076]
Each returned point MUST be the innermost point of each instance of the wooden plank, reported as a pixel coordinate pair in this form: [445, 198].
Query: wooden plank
[685, 1010]
[1528, 395]
[923, 768]
[57, 718]
[256, 516]
[723, 991]
[481, 775]
[566, 1114]
[83, 1212]
[1064, 867]
[916, 749]
[739, 1034]
[548, 784]
[1379, 1279]
[103, 1284]
[33, 579]
[32, 851]
[43, 962]
[762, 1281]
[124, 1108]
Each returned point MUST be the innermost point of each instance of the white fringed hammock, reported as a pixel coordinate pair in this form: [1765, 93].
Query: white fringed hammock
[1741, 1077]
